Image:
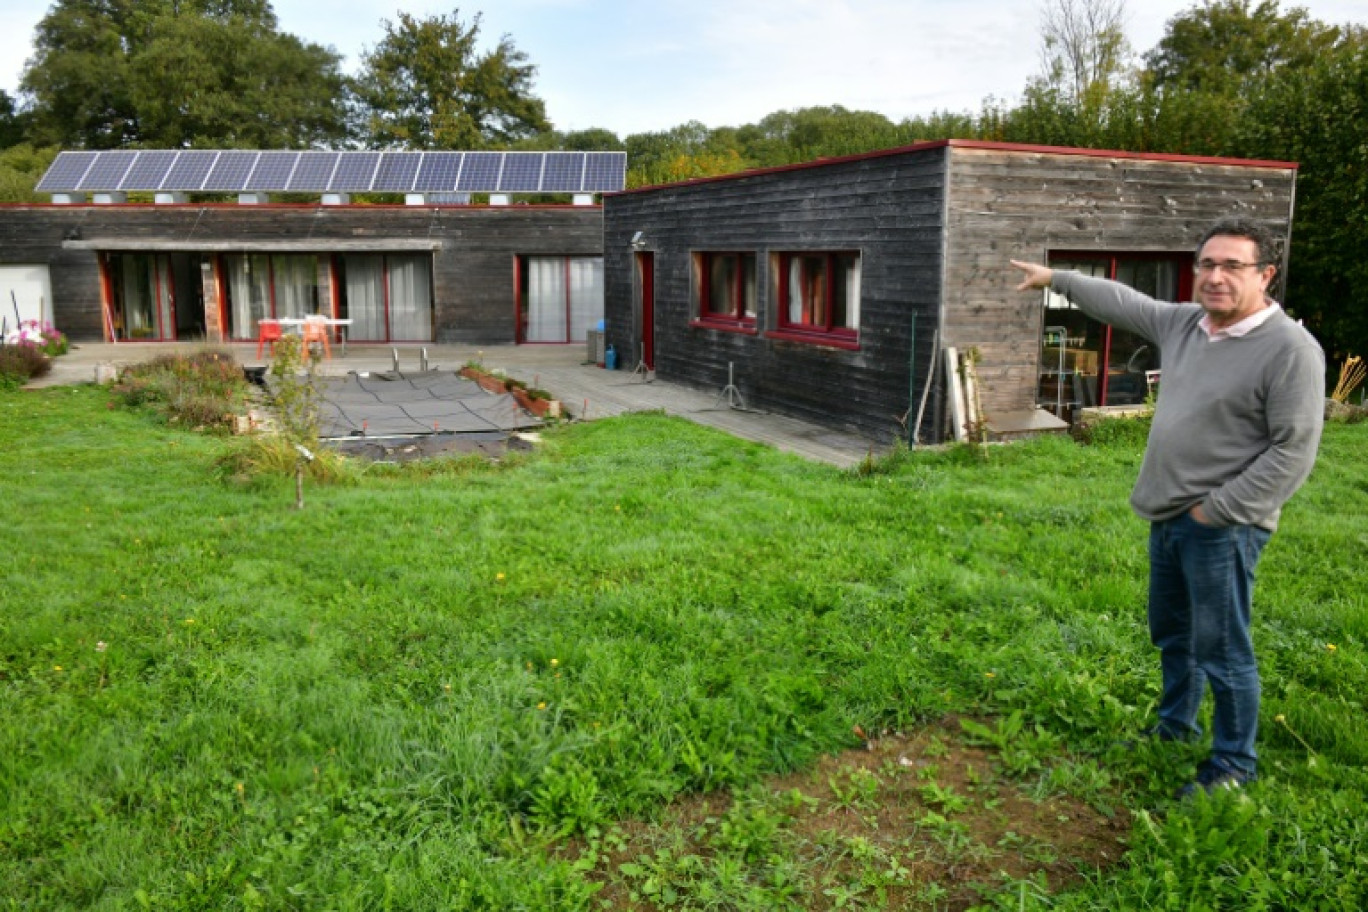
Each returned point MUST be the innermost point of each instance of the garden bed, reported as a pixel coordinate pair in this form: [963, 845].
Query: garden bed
[531, 399]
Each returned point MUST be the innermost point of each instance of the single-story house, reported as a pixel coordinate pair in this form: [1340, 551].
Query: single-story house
[434, 268]
[829, 290]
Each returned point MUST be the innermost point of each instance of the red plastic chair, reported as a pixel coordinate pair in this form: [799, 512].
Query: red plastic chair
[315, 330]
[267, 331]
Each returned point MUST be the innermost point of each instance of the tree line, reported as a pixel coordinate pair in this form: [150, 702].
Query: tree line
[1232, 78]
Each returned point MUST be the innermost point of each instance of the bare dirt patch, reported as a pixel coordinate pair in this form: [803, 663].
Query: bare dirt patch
[923, 821]
[408, 449]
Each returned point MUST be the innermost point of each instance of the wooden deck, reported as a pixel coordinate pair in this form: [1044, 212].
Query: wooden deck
[587, 391]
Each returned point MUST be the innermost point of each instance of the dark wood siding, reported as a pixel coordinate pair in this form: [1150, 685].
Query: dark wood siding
[889, 208]
[1023, 205]
[473, 265]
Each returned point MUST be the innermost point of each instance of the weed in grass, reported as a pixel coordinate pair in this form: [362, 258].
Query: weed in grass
[857, 789]
[1021, 749]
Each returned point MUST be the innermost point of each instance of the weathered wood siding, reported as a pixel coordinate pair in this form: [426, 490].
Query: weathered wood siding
[473, 264]
[889, 208]
[1013, 204]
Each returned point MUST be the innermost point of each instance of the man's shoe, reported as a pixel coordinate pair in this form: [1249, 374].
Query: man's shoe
[1212, 776]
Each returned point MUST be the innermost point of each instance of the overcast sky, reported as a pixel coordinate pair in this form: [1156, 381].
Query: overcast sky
[650, 65]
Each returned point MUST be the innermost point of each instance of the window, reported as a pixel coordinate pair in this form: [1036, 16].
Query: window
[724, 284]
[819, 295]
[559, 298]
[1084, 362]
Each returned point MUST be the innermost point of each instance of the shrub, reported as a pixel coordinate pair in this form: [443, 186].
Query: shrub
[1114, 431]
[204, 388]
[20, 363]
[274, 455]
[42, 336]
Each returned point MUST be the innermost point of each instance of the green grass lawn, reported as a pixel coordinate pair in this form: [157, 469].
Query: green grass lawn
[469, 691]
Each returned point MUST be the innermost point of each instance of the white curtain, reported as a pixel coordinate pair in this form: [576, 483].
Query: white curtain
[545, 299]
[166, 297]
[139, 287]
[365, 298]
[410, 298]
[795, 290]
[852, 290]
[586, 296]
[249, 292]
[296, 285]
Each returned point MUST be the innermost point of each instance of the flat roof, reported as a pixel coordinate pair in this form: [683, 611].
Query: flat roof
[978, 144]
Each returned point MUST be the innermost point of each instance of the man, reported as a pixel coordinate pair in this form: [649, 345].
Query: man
[1235, 433]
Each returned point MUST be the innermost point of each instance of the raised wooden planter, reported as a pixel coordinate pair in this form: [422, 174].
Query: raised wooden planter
[542, 408]
[487, 381]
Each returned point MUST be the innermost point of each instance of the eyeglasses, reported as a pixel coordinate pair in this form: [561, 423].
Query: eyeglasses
[1209, 266]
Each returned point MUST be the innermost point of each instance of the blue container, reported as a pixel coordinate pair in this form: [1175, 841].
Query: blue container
[610, 359]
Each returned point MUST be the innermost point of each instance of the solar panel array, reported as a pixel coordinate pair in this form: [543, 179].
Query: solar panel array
[233, 171]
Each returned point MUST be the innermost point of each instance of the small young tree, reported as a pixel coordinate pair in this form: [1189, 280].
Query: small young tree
[295, 391]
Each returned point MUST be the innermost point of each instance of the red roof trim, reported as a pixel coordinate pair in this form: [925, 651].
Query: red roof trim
[480, 207]
[969, 144]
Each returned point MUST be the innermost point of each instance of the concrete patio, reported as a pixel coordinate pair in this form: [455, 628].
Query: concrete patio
[587, 391]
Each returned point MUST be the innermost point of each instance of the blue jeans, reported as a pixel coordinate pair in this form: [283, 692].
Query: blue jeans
[1201, 587]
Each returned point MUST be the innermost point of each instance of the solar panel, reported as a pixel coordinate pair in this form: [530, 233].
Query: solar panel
[605, 171]
[66, 171]
[107, 171]
[564, 172]
[481, 171]
[189, 171]
[231, 170]
[354, 172]
[272, 171]
[438, 172]
[314, 171]
[237, 170]
[396, 172]
[521, 172]
[148, 170]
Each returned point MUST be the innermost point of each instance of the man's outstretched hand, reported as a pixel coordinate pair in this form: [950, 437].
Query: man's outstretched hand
[1037, 276]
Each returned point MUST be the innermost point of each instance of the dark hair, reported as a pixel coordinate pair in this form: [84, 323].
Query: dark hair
[1263, 239]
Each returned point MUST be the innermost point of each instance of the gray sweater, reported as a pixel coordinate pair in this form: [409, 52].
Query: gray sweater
[1238, 420]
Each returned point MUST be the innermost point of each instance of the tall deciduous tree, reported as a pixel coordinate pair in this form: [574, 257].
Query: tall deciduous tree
[175, 73]
[11, 122]
[1226, 46]
[1084, 51]
[427, 86]
[1315, 115]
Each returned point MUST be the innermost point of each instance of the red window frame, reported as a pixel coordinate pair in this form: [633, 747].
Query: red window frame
[814, 326]
[742, 284]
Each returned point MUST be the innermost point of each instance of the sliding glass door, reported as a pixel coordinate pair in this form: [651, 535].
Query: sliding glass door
[388, 297]
[559, 298]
